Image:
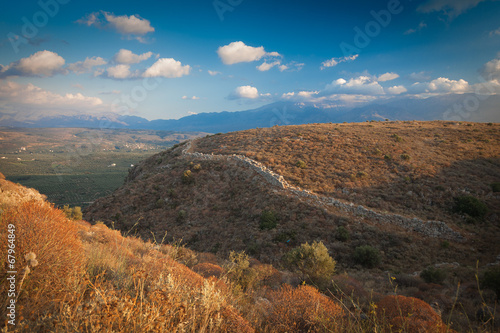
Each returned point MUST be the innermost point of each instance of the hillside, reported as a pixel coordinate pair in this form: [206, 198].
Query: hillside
[74, 276]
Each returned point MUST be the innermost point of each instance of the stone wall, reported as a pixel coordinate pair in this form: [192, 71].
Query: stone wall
[436, 229]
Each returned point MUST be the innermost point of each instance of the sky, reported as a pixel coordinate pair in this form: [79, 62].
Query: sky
[169, 59]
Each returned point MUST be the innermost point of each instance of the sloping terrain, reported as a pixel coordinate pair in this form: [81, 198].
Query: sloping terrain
[217, 203]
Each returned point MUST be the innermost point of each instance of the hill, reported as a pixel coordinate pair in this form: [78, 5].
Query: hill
[74, 276]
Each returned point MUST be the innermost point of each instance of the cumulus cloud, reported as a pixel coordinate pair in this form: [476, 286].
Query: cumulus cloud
[119, 72]
[387, 77]
[495, 32]
[248, 92]
[396, 90]
[265, 66]
[132, 26]
[491, 70]
[451, 8]
[35, 100]
[41, 63]
[359, 85]
[194, 98]
[441, 85]
[167, 67]
[80, 67]
[335, 61]
[128, 57]
[237, 52]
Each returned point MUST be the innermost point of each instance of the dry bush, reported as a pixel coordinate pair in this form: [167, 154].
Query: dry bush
[45, 231]
[207, 270]
[410, 315]
[303, 309]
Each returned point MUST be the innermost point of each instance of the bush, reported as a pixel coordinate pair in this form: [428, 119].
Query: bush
[491, 280]
[286, 236]
[312, 261]
[187, 177]
[301, 164]
[405, 157]
[495, 187]
[367, 256]
[74, 213]
[470, 205]
[433, 275]
[302, 309]
[268, 220]
[387, 157]
[397, 138]
[342, 234]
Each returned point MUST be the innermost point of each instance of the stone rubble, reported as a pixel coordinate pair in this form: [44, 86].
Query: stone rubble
[435, 229]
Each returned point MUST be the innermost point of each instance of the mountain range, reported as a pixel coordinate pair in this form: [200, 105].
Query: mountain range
[458, 107]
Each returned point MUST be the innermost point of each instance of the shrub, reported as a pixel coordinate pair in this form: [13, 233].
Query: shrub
[405, 157]
[197, 167]
[312, 261]
[187, 177]
[268, 220]
[74, 213]
[301, 164]
[207, 270]
[397, 138]
[342, 234]
[303, 309]
[286, 236]
[387, 157]
[181, 215]
[433, 275]
[495, 187]
[408, 314]
[367, 256]
[239, 270]
[470, 205]
[491, 280]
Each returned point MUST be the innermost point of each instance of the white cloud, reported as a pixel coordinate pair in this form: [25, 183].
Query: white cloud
[213, 73]
[41, 63]
[335, 61]
[451, 8]
[387, 77]
[119, 72]
[491, 70]
[396, 90]
[132, 26]
[265, 66]
[80, 67]
[167, 67]
[194, 98]
[359, 85]
[32, 100]
[441, 85]
[128, 57]
[283, 68]
[248, 92]
[237, 52]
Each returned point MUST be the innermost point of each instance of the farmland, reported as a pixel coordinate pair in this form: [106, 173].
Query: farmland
[77, 166]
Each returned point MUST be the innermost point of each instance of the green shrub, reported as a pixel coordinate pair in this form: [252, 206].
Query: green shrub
[239, 271]
[301, 164]
[433, 275]
[342, 234]
[181, 215]
[74, 213]
[397, 138]
[495, 187]
[197, 167]
[387, 157]
[312, 261]
[405, 157]
[470, 205]
[367, 256]
[268, 220]
[491, 280]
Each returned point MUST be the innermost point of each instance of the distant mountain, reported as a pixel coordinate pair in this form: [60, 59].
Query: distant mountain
[466, 107]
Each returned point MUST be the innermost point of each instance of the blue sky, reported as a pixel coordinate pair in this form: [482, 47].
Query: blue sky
[169, 59]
